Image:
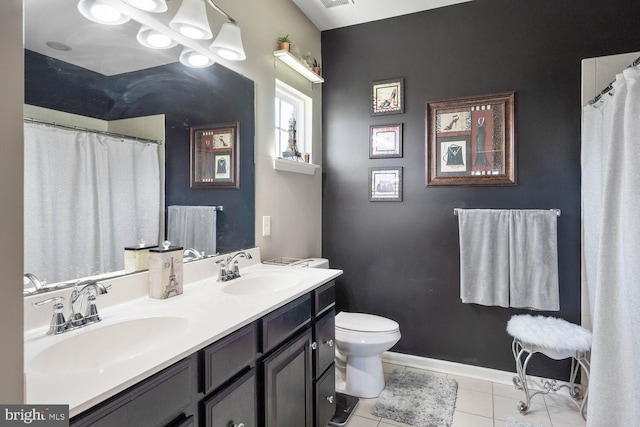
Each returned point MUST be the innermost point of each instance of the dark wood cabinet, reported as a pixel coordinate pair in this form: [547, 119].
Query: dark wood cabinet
[275, 372]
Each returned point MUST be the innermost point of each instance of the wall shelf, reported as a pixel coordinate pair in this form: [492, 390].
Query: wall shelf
[296, 65]
[294, 166]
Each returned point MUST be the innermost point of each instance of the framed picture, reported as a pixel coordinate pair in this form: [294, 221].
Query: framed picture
[471, 141]
[387, 97]
[385, 141]
[215, 156]
[385, 184]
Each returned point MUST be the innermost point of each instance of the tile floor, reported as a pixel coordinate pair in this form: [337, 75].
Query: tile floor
[484, 404]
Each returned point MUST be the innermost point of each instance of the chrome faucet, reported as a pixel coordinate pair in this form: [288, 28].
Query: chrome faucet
[77, 318]
[229, 268]
[192, 254]
[31, 279]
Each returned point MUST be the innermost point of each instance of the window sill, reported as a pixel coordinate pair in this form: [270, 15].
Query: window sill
[294, 166]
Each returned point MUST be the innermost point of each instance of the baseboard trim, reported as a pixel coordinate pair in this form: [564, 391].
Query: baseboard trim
[453, 368]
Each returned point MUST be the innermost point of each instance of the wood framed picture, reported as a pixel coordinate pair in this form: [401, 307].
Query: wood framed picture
[471, 141]
[385, 141]
[215, 156]
[387, 97]
[385, 184]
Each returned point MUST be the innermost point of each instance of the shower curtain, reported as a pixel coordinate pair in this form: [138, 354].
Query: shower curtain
[611, 247]
[86, 197]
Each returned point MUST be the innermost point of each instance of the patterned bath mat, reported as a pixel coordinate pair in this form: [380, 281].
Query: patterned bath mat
[417, 399]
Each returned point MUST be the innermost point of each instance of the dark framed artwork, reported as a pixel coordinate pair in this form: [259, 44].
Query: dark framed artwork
[385, 184]
[471, 141]
[215, 156]
[385, 141]
[387, 97]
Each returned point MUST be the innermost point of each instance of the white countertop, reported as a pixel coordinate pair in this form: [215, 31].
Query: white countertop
[210, 312]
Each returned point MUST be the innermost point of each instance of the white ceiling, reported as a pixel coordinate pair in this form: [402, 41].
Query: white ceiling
[351, 12]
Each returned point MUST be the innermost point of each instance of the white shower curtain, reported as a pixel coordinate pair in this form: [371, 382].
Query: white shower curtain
[611, 242]
[87, 196]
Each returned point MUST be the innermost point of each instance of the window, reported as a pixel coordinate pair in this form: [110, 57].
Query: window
[292, 105]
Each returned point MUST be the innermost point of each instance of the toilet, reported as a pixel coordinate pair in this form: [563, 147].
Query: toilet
[360, 340]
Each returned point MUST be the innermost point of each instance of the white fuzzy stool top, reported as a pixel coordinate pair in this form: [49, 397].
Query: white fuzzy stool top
[550, 332]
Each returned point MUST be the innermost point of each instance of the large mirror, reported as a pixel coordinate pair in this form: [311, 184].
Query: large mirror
[75, 68]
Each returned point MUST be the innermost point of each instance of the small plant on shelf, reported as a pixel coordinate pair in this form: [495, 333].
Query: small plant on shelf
[315, 66]
[284, 42]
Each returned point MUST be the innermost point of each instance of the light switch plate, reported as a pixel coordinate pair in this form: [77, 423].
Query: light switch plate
[266, 226]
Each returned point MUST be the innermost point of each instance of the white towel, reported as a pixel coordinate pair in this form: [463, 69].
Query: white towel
[533, 260]
[484, 256]
[192, 227]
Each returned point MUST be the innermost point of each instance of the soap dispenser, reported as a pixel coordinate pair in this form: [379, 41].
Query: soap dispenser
[136, 258]
[165, 271]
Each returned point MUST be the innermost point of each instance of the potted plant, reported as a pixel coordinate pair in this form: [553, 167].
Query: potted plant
[284, 42]
[316, 66]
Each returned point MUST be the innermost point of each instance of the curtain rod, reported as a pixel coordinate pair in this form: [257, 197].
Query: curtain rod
[100, 132]
[610, 86]
[456, 210]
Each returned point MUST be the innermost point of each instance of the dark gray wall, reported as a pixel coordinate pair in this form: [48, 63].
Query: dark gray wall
[401, 260]
[188, 97]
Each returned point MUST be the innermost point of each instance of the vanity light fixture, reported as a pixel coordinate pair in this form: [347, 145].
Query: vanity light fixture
[154, 39]
[97, 11]
[155, 6]
[228, 43]
[193, 59]
[191, 20]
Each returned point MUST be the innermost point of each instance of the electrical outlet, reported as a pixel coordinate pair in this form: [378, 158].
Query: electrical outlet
[266, 226]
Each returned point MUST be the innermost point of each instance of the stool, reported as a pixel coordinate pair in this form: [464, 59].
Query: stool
[556, 339]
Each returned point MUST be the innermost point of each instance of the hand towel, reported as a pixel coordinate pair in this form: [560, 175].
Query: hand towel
[192, 227]
[533, 260]
[484, 256]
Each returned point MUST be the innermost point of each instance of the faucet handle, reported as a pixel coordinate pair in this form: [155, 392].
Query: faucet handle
[222, 274]
[58, 323]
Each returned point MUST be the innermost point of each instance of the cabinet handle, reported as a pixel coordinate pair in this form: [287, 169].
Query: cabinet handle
[239, 425]
[329, 343]
[314, 345]
[330, 399]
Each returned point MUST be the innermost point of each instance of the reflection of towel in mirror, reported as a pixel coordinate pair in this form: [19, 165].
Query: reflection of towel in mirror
[533, 260]
[484, 255]
[192, 227]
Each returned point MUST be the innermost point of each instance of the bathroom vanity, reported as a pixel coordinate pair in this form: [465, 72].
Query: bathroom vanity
[268, 360]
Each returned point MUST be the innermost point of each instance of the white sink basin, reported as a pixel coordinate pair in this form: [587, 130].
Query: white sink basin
[263, 282]
[96, 346]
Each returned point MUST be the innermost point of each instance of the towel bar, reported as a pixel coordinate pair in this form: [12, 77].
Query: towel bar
[456, 210]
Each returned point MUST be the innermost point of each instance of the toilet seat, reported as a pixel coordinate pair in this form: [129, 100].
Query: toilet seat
[365, 323]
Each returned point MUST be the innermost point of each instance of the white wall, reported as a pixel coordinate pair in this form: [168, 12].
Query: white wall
[11, 183]
[293, 201]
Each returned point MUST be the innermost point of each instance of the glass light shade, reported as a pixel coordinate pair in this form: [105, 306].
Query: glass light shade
[154, 39]
[193, 59]
[101, 13]
[191, 20]
[155, 6]
[228, 43]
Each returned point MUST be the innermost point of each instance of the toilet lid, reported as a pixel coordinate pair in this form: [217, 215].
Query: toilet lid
[365, 322]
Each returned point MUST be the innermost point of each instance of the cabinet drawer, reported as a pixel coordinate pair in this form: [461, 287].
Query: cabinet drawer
[153, 402]
[286, 320]
[325, 332]
[324, 297]
[233, 405]
[226, 358]
[325, 396]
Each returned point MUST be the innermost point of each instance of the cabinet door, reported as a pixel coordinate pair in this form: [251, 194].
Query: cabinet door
[325, 397]
[325, 332]
[234, 405]
[288, 384]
